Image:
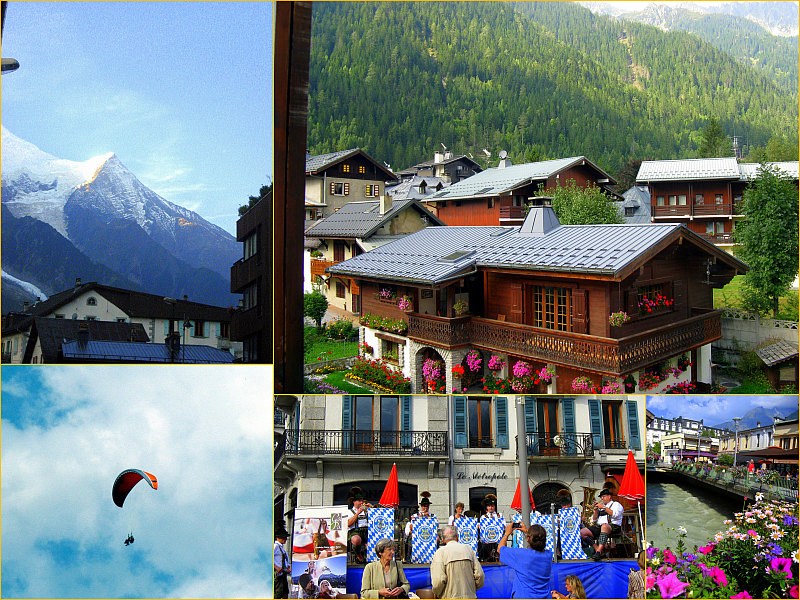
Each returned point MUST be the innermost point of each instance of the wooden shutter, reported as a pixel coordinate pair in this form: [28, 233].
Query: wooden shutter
[515, 314]
[405, 421]
[333, 188]
[580, 307]
[460, 421]
[347, 421]
[501, 420]
[633, 426]
[596, 421]
[568, 410]
[346, 189]
[530, 426]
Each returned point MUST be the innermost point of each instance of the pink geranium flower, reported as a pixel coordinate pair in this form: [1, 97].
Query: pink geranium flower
[718, 575]
[743, 594]
[669, 557]
[782, 565]
[706, 549]
[670, 586]
[793, 591]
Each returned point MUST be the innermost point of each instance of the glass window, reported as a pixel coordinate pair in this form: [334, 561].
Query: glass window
[552, 308]
[718, 198]
[659, 200]
[480, 422]
[91, 301]
[390, 420]
[699, 200]
[673, 200]
[251, 245]
[682, 200]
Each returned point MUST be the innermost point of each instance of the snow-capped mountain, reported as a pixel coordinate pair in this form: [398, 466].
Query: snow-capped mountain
[102, 210]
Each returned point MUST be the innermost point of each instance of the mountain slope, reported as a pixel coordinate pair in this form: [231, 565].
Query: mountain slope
[540, 80]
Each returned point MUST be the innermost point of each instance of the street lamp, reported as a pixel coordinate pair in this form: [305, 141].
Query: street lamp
[735, 438]
[699, 435]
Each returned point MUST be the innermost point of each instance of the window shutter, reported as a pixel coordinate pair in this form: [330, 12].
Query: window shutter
[515, 312]
[347, 421]
[501, 418]
[333, 188]
[219, 328]
[296, 427]
[460, 421]
[405, 421]
[166, 327]
[596, 421]
[530, 426]
[580, 316]
[568, 410]
[346, 189]
[633, 426]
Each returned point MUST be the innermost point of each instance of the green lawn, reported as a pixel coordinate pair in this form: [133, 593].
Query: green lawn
[731, 297]
[318, 347]
[336, 379]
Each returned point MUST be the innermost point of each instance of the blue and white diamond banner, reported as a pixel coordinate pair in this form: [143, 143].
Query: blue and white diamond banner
[380, 526]
[467, 531]
[570, 533]
[492, 529]
[545, 521]
[517, 537]
[424, 539]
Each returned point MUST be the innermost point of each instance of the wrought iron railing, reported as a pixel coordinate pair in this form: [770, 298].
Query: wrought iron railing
[407, 443]
[562, 443]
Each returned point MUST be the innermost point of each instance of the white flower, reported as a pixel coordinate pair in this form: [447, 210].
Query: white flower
[759, 497]
[796, 556]
[682, 530]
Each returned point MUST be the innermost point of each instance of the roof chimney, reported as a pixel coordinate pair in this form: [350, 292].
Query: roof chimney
[26, 306]
[385, 203]
[83, 334]
[504, 160]
[437, 157]
[541, 218]
[77, 282]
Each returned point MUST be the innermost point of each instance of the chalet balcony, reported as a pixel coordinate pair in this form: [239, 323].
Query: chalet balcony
[244, 272]
[559, 444]
[702, 210]
[719, 238]
[606, 355]
[318, 266]
[512, 213]
[366, 443]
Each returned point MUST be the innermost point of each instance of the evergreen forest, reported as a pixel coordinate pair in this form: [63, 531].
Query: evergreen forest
[540, 80]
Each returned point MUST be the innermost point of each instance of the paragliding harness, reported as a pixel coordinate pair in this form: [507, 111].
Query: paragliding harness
[129, 539]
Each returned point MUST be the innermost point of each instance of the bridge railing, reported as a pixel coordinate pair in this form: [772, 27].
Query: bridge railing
[742, 482]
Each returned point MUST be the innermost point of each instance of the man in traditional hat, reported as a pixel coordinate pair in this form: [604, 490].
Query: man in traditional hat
[281, 564]
[357, 526]
[455, 570]
[424, 511]
[608, 516]
[488, 550]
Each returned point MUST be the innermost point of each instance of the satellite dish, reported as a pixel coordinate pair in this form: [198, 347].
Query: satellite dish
[486, 152]
[443, 146]
[503, 154]
[9, 65]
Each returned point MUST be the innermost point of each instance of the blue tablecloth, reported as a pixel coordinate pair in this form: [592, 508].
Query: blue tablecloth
[606, 579]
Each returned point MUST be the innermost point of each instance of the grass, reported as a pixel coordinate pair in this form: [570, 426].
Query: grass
[730, 296]
[753, 386]
[336, 379]
[319, 347]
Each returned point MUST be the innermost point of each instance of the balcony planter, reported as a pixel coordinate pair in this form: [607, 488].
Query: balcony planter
[461, 308]
[618, 319]
[406, 304]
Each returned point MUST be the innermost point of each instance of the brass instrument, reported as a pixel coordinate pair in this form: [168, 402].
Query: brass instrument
[589, 494]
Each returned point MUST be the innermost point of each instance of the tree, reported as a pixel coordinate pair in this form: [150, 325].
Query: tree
[264, 192]
[575, 205]
[314, 306]
[626, 176]
[769, 239]
[713, 142]
[725, 460]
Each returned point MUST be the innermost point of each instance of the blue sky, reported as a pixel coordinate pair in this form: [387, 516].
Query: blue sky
[205, 432]
[181, 92]
[716, 409]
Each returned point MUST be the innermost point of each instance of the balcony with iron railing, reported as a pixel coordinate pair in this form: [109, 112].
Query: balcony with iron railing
[366, 443]
[608, 355]
[559, 444]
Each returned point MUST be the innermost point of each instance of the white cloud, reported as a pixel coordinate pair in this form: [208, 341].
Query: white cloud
[207, 435]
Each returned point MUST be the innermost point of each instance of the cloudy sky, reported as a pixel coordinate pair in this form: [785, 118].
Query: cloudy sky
[180, 91]
[205, 432]
[716, 409]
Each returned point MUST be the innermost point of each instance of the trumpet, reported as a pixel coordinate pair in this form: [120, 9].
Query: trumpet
[368, 505]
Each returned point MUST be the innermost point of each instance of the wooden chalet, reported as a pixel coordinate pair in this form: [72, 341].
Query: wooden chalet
[544, 293]
[703, 193]
[445, 166]
[498, 196]
[333, 180]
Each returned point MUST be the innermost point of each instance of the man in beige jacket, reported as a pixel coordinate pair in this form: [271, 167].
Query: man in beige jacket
[455, 570]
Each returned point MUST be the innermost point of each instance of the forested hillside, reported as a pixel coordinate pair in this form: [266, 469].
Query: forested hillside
[540, 80]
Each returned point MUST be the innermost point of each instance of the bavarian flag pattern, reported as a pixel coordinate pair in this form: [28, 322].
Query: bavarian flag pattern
[517, 537]
[570, 533]
[380, 526]
[467, 531]
[424, 539]
[492, 529]
[545, 521]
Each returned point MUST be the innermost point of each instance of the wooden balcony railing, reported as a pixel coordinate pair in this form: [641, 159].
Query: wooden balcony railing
[318, 266]
[561, 443]
[512, 213]
[703, 210]
[394, 443]
[607, 355]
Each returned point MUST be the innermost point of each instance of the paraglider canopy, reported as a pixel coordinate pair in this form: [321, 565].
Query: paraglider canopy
[126, 481]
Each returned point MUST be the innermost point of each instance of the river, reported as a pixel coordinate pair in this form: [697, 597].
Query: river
[700, 511]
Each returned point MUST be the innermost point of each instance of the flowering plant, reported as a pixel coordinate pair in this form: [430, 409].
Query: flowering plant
[405, 303]
[755, 558]
[460, 307]
[496, 385]
[618, 319]
[545, 374]
[611, 387]
[522, 369]
[647, 305]
[474, 361]
[378, 375]
[458, 371]
[432, 369]
[684, 363]
[495, 363]
[649, 380]
[684, 387]
[386, 294]
[366, 348]
[581, 384]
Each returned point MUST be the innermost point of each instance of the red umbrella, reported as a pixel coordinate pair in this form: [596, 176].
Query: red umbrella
[391, 493]
[632, 486]
[516, 503]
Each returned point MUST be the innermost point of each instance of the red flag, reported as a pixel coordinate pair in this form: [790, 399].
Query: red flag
[391, 493]
[516, 503]
[632, 486]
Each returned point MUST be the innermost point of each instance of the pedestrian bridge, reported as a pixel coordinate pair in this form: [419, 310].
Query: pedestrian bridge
[734, 482]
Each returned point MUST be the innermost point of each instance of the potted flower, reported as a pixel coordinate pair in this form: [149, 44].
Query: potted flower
[316, 254]
[406, 304]
[630, 384]
[458, 371]
[460, 308]
[684, 363]
[474, 361]
[366, 348]
[386, 294]
[582, 384]
[618, 319]
[496, 363]
[545, 374]
[611, 387]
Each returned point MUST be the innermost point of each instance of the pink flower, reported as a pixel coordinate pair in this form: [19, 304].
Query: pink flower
[649, 582]
[718, 575]
[670, 586]
[793, 591]
[669, 557]
[782, 565]
[706, 549]
[743, 594]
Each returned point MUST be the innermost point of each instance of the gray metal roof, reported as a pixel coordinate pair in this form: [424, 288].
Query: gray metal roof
[691, 168]
[409, 189]
[100, 350]
[777, 353]
[637, 198]
[493, 182]
[362, 219]
[750, 170]
[322, 161]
